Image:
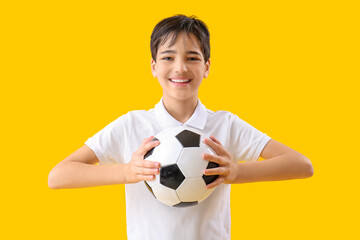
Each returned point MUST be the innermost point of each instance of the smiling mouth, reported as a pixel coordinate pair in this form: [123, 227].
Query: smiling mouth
[178, 80]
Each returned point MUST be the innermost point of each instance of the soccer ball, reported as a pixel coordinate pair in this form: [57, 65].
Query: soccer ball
[181, 182]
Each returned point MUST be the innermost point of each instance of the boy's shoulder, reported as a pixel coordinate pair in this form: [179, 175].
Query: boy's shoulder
[138, 112]
[220, 113]
[131, 119]
[225, 117]
[136, 115]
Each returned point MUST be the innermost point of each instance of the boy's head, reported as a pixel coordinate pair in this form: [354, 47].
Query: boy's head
[173, 26]
[180, 56]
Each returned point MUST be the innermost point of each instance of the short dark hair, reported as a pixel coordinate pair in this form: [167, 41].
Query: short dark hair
[177, 24]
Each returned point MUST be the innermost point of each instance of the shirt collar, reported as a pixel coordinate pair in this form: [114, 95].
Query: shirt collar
[197, 120]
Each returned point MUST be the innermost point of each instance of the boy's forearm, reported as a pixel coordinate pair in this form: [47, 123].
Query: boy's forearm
[283, 167]
[79, 175]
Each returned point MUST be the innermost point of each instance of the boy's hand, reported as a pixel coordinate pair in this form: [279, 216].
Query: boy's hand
[227, 169]
[139, 169]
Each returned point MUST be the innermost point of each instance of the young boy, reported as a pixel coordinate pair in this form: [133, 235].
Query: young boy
[180, 60]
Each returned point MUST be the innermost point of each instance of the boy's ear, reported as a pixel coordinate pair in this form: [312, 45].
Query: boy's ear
[153, 68]
[207, 68]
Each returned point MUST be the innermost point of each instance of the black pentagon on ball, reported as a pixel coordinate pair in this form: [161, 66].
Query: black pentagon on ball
[171, 176]
[210, 178]
[188, 139]
[151, 150]
[185, 204]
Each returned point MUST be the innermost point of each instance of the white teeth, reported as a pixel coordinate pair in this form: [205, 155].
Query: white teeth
[180, 80]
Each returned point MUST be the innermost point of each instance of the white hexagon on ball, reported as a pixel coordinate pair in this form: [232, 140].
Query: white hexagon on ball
[166, 195]
[193, 189]
[168, 151]
[191, 162]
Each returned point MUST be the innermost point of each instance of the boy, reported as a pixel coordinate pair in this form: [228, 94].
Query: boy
[180, 60]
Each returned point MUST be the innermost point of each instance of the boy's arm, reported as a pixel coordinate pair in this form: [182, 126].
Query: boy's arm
[79, 170]
[282, 163]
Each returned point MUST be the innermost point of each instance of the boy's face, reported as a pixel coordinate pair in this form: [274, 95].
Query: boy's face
[180, 68]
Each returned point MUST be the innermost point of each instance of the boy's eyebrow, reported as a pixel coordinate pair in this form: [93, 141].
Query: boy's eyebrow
[172, 51]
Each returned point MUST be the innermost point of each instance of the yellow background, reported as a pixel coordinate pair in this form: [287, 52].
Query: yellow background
[289, 68]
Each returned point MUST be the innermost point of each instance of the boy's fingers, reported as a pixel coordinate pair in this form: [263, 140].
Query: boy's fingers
[146, 177]
[148, 171]
[215, 140]
[148, 164]
[213, 158]
[215, 171]
[219, 149]
[146, 140]
[144, 148]
[151, 144]
[215, 183]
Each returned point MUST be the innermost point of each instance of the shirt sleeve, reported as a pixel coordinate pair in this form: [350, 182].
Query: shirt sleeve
[108, 143]
[247, 142]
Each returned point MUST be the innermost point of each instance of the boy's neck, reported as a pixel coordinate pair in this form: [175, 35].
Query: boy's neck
[180, 110]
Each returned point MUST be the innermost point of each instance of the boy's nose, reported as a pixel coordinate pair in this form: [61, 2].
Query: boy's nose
[180, 66]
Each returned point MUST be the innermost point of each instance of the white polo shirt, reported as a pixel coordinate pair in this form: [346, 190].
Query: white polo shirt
[147, 218]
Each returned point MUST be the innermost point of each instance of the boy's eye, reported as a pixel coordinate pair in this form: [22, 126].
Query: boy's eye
[192, 59]
[166, 58]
